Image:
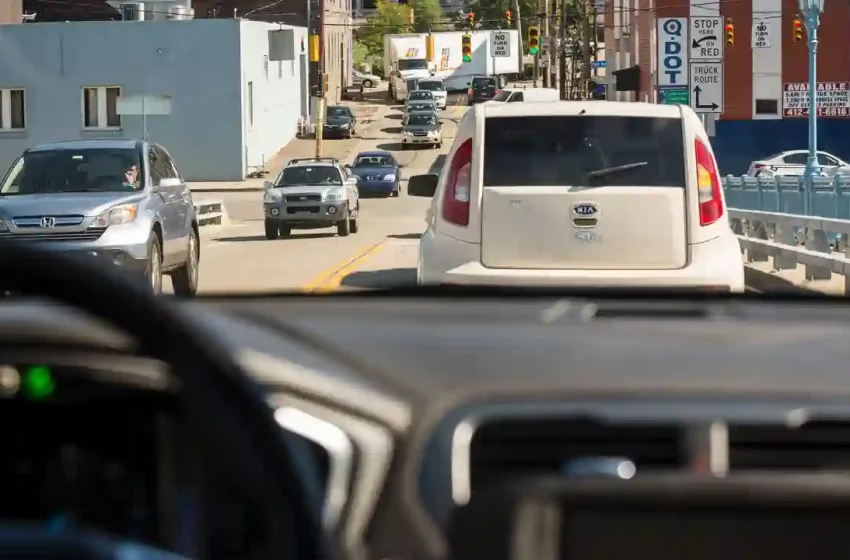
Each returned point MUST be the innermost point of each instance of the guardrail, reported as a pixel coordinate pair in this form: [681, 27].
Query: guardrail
[827, 197]
[210, 213]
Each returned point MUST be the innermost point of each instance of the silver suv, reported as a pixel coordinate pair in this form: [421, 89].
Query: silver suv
[122, 202]
[312, 193]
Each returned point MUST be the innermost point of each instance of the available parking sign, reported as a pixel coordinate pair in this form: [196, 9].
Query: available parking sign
[672, 51]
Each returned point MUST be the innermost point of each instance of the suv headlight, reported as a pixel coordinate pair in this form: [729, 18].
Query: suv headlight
[389, 177]
[117, 215]
[335, 194]
[272, 196]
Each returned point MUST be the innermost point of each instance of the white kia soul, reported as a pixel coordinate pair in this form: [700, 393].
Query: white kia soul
[586, 194]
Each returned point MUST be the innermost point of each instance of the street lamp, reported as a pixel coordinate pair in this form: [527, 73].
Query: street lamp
[811, 10]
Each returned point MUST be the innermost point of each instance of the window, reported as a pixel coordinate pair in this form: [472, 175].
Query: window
[767, 106]
[53, 171]
[517, 97]
[100, 107]
[12, 109]
[561, 150]
[798, 158]
[826, 159]
[250, 103]
[321, 175]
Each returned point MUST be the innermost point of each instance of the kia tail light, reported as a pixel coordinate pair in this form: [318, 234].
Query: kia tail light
[708, 186]
[458, 186]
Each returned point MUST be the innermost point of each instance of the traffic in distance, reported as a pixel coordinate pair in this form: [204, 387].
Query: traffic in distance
[527, 191]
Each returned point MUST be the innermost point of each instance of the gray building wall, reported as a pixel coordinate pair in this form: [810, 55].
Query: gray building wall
[198, 63]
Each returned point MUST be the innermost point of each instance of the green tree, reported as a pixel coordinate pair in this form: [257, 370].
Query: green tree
[388, 18]
[426, 15]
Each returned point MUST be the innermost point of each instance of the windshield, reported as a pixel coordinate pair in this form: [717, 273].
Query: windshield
[421, 120]
[412, 64]
[502, 95]
[338, 112]
[563, 150]
[421, 107]
[303, 175]
[419, 95]
[481, 82]
[374, 161]
[82, 170]
[432, 86]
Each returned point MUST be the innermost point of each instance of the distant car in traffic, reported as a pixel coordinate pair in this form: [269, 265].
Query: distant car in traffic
[516, 95]
[377, 172]
[120, 202]
[366, 80]
[422, 128]
[793, 162]
[482, 88]
[420, 107]
[311, 193]
[583, 194]
[437, 88]
[419, 95]
[340, 122]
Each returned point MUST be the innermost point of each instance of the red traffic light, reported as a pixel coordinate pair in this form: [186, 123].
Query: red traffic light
[730, 27]
[471, 16]
[798, 23]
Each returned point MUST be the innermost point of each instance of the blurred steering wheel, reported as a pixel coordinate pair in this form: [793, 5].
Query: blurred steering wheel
[210, 378]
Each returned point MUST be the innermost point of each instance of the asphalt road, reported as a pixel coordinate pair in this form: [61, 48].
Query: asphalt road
[239, 258]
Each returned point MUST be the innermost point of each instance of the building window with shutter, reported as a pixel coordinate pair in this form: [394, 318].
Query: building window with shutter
[100, 107]
[13, 113]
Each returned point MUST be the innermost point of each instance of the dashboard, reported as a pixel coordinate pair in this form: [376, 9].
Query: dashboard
[410, 406]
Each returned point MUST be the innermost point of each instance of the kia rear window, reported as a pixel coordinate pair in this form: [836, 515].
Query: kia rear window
[583, 150]
[483, 82]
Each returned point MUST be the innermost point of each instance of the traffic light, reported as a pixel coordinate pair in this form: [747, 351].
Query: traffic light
[466, 47]
[314, 48]
[429, 48]
[471, 18]
[730, 32]
[508, 17]
[411, 15]
[533, 40]
[798, 29]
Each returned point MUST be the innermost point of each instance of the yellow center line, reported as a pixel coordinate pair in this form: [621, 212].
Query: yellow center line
[331, 278]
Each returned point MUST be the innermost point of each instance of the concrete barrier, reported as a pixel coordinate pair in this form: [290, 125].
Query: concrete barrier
[211, 213]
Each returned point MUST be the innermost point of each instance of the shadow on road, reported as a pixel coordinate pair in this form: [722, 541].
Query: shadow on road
[294, 236]
[438, 164]
[392, 130]
[395, 117]
[390, 278]
[405, 236]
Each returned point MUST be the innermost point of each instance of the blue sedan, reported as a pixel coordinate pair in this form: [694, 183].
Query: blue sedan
[377, 172]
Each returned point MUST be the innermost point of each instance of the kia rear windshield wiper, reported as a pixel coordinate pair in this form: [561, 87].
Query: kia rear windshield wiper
[615, 169]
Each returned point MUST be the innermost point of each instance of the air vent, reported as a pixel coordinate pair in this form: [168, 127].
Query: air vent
[512, 448]
[812, 446]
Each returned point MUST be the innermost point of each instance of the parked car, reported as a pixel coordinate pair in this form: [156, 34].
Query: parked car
[377, 172]
[437, 88]
[367, 80]
[122, 202]
[793, 163]
[582, 194]
[311, 193]
[340, 122]
[422, 128]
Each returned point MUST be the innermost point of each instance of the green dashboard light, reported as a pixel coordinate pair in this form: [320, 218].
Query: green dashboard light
[37, 383]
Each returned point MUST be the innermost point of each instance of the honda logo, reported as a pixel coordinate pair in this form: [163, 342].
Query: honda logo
[48, 222]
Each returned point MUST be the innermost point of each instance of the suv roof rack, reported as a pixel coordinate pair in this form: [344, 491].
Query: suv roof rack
[299, 160]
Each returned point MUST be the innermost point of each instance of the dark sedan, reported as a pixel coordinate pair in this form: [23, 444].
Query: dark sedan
[377, 172]
[340, 122]
[482, 88]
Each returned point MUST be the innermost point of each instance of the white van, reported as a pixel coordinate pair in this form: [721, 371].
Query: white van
[516, 95]
[579, 193]
[437, 88]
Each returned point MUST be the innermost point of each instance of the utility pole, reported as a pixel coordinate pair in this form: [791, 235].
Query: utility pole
[518, 20]
[553, 45]
[562, 39]
[548, 42]
[585, 48]
[320, 82]
[536, 75]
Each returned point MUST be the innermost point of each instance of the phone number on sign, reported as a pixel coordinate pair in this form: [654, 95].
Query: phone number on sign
[822, 112]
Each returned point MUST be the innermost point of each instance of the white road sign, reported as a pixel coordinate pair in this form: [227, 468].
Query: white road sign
[707, 87]
[761, 34]
[500, 42]
[706, 38]
[672, 51]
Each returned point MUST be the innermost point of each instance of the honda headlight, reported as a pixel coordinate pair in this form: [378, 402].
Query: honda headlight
[272, 196]
[117, 215]
[389, 177]
[333, 195]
